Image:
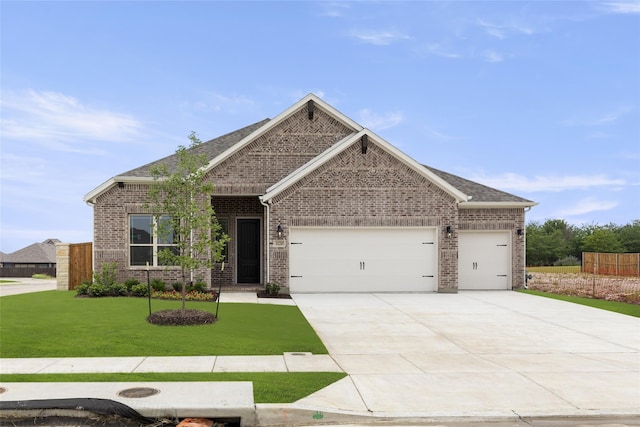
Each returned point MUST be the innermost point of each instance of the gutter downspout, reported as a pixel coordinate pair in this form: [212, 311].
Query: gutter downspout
[267, 240]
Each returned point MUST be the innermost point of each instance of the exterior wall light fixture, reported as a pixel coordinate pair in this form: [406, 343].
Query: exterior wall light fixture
[520, 233]
[449, 231]
[279, 231]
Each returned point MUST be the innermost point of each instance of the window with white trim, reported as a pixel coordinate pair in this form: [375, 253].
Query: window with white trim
[144, 242]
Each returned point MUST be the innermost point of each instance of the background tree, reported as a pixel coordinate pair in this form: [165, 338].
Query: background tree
[180, 201]
[555, 242]
[603, 239]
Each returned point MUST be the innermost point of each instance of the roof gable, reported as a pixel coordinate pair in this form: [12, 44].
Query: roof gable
[314, 101]
[333, 151]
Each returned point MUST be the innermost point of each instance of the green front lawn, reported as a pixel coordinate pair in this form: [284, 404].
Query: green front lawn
[268, 387]
[56, 324]
[618, 307]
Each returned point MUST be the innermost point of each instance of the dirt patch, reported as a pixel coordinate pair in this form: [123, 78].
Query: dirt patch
[611, 288]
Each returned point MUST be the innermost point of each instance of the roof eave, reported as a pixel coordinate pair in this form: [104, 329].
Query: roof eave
[495, 205]
[91, 196]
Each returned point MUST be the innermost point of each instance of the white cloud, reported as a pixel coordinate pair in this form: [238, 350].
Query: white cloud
[515, 182]
[334, 9]
[379, 38]
[61, 122]
[623, 7]
[492, 56]
[588, 205]
[439, 50]
[502, 31]
[372, 120]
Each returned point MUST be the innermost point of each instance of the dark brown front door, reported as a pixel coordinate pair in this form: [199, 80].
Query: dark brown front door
[248, 251]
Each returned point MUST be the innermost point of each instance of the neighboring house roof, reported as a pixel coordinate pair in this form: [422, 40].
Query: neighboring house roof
[467, 193]
[37, 253]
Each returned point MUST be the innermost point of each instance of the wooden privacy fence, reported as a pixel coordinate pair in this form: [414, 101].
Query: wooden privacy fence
[75, 264]
[611, 264]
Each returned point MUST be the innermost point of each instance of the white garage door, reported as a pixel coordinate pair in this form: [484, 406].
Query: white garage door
[362, 260]
[484, 260]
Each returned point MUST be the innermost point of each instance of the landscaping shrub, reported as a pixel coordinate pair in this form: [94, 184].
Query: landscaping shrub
[177, 286]
[97, 290]
[140, 290]
[130, 283]
[117, 290]
[107, 276]
[273, 288]
[83, 288]
[158, 285]
[199, 286]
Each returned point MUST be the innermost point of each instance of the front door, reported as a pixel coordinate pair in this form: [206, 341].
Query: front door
[248, 250]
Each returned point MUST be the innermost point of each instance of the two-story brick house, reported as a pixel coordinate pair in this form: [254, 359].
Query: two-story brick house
[318, 203]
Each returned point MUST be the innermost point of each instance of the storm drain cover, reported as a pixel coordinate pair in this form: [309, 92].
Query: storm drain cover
[138, 392]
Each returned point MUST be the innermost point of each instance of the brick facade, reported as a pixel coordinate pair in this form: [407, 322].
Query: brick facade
[351, 190]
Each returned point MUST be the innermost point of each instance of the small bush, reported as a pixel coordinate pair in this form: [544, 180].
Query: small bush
[567, 261]
[273, 288]
[117, 289]
[130, 283]
[140, 290]
[177, 286]
[97, 290]
[41, 276]
[158, 285]
[199, 286]
[107, 276]
[83, 288]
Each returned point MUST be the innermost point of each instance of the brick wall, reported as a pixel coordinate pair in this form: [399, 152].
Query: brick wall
[365, 190]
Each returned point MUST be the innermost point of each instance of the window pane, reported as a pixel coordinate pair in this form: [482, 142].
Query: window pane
[173, 249]
[165, 230]
[140, 255]
[140, 227]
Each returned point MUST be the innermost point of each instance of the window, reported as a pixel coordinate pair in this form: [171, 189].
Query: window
[144, 242]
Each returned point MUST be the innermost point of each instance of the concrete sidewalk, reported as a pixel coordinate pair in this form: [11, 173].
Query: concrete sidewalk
[412, 358]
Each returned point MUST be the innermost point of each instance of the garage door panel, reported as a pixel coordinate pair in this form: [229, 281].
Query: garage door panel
[362, 260]
[484, 260]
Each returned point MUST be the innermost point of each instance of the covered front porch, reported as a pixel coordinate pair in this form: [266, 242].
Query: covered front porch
[243, 219]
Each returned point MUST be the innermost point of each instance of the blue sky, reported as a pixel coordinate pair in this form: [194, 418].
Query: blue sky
[540, 99]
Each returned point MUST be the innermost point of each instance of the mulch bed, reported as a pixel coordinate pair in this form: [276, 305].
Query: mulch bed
[181, 317]
[263, 294]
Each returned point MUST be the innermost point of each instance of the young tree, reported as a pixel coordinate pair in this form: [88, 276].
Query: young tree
[180, 201]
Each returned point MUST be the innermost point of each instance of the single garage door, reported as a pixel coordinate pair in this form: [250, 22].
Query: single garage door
[484, 260]
[362, 260]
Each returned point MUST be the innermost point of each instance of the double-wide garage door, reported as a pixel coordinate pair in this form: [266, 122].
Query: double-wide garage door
[363, 259]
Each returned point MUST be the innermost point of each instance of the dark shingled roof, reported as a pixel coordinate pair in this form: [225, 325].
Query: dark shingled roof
[39, 253]
[211, 149]
[215, 147]
[478, 192]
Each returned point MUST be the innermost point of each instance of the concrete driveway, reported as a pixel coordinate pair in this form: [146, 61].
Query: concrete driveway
[25, 285]
[477, 354]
